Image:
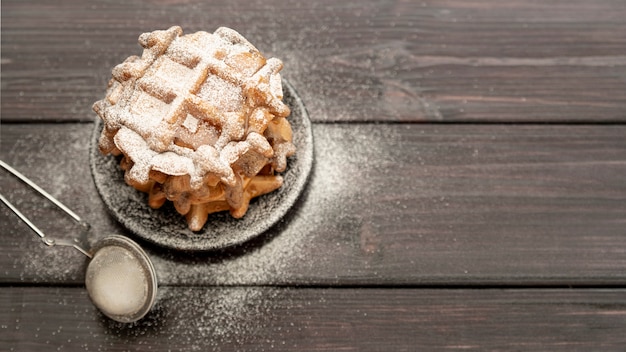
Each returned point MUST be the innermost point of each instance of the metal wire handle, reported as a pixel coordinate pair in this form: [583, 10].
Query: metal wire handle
[47, 240]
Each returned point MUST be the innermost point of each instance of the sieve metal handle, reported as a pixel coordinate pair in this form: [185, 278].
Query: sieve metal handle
[48, 241]
[48, 196]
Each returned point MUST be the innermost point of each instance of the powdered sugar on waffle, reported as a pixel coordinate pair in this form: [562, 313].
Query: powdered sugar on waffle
[204, 105]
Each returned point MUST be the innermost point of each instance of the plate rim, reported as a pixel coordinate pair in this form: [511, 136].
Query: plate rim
[305, 156]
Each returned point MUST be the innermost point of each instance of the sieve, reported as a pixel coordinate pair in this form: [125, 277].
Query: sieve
[120, 278]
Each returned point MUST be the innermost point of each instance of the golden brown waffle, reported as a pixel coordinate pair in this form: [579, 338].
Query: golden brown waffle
[199, 120]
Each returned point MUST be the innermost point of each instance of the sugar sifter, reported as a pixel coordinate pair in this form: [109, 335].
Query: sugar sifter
[120, 278]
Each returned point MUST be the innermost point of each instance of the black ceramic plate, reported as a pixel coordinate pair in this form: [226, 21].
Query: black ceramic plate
[165, 227]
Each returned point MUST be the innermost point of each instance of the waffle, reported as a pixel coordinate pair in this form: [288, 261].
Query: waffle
[198, 120]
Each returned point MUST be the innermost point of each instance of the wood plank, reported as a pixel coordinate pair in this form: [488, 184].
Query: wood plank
[372, 61]
[386, 205]
[286, 319]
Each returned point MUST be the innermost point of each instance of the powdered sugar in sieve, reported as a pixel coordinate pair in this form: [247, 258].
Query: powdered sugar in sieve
[120, 278]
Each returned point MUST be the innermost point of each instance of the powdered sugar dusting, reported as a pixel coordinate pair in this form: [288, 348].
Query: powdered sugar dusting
[187, 92]
[165, 227]
[221, 93]
[115, 281]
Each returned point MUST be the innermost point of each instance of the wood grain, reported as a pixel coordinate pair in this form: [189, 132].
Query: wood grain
[470, 167]
[286, 319]
[387, 204]
[484, 61]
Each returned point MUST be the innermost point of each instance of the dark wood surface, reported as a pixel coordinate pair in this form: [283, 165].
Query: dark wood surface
[323, 319]
[468, 192]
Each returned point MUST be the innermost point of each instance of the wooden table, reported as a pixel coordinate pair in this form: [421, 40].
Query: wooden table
[468, 191]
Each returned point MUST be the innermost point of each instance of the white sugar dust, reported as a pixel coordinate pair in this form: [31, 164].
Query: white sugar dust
[116, 282]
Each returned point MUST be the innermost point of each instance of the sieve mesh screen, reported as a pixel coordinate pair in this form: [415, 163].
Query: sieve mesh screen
[117, 282]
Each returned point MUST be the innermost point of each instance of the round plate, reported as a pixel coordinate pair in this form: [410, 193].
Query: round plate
[166, 227]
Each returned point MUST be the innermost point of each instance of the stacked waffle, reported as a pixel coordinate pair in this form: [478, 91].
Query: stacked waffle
[198, 120]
